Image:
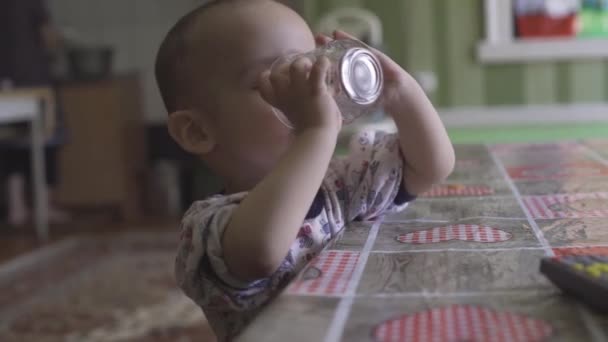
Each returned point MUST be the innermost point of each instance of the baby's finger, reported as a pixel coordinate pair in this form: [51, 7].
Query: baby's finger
[318, 75]
[339, 34]
[386, 61]
[279, 80]
[266, 89]
[300, 69]
[322, 39]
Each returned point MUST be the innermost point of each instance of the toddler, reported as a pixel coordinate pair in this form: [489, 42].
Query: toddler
[285, 198]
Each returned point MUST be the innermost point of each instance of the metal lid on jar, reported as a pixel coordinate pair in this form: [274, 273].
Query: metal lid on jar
[361, 76]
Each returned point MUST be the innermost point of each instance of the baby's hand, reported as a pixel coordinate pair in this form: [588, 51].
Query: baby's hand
[301, 93]
[397, 82]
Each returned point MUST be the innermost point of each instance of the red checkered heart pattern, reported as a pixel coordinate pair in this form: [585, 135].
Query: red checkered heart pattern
[541, 148]
[568, 206]
[467, 163]
[463, 323]
[557, 171]
[332, 272]
[457, 190]
[462, 232]
[568, 251]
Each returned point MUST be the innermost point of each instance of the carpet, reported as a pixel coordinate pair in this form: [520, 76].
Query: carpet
[118, 288]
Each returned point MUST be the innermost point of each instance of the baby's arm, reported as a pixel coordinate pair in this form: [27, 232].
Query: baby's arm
[264, 226]
[425, 145]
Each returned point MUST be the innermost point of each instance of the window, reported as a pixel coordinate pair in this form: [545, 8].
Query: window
[544, 30]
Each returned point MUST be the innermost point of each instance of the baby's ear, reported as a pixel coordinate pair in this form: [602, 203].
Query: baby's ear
[191, 132]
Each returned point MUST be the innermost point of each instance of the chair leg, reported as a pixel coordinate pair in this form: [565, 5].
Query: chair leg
[18, 212]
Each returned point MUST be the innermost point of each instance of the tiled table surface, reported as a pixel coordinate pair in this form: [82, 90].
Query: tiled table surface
[462, 262]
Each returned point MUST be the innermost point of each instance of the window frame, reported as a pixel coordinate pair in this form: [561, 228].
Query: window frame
[501, 46]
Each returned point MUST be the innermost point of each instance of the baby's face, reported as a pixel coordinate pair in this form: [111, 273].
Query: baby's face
[247, 41]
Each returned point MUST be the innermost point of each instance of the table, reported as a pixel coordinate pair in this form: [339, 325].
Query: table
[26, 106]
[462, 262]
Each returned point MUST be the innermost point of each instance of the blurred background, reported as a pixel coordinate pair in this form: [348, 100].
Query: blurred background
[498, 70]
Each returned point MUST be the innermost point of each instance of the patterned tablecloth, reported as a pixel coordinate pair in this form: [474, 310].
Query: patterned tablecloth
[462, 263]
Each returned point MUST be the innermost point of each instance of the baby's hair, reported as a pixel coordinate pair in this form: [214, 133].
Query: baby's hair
[174, 60]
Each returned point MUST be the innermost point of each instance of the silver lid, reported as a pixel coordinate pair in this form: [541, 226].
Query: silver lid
[361, 76]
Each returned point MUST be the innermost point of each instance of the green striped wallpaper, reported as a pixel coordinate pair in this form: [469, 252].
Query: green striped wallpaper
[441, 36]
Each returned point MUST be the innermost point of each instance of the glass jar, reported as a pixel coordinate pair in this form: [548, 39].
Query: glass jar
[355, 76]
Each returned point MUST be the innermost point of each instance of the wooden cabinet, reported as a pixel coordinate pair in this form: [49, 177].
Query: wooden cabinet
[103, 162]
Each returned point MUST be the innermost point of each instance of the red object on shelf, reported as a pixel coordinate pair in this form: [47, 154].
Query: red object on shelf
[539, 25]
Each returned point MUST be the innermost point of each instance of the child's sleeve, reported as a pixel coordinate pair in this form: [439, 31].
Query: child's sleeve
[200, 245]
[200, 269]
[369, 180]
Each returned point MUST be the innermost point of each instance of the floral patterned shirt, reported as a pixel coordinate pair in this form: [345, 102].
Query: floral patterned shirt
[365, 184]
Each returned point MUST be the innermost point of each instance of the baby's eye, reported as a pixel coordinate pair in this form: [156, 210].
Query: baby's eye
[252, 81]
[254, 84]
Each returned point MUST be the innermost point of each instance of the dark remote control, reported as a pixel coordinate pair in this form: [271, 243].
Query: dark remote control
[582, 276]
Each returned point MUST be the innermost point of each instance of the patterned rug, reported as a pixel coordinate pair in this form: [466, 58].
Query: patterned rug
[98, 289]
